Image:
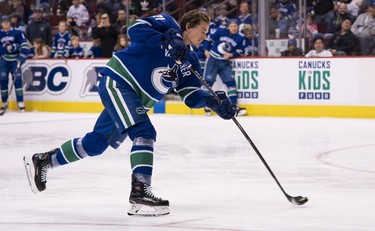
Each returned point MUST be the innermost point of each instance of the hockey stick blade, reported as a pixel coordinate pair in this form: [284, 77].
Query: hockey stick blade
[298, 200]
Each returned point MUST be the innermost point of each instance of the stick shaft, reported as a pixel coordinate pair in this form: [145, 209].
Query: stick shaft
[212, 92]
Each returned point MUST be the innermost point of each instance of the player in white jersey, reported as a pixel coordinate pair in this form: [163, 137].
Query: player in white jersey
[132, 82]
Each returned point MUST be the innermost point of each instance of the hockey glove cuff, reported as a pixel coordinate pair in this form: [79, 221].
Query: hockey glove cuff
[22, 58]
[178, 50]
[224, 108]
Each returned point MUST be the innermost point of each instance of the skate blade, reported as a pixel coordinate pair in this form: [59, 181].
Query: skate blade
[30, 172]
[148, 211]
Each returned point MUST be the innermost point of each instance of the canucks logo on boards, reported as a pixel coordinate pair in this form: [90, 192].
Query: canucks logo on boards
[91, 79]
[41, 78]
[314, 80]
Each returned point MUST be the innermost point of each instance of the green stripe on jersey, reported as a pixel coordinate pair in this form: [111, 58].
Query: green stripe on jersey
[183, 93]
[119, 104]
[141, 158]
[68, 152]
[116, 66]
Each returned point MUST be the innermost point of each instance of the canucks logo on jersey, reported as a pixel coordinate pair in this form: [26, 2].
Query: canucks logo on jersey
[170, 75]
[224, 48]
[165, 80]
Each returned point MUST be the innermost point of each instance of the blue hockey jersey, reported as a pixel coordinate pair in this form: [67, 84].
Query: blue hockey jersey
[75, 52]
[60, 44]
[18, 41]
[144, 65]
[222, 42]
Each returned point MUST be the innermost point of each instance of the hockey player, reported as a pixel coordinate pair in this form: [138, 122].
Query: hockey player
[133, 80]
[60, 44]
[13, 53]
[224, 44]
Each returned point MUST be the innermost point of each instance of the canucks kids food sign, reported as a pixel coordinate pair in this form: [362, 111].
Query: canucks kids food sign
[246, 74]
[314, 80]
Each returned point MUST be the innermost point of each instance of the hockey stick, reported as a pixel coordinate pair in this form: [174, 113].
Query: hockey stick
[298, 200]
[18, 68]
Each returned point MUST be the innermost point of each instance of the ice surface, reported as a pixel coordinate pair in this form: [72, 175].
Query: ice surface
[206, 169]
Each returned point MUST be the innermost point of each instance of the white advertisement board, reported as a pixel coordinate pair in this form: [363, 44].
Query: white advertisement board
[306, 81]
[261, 81]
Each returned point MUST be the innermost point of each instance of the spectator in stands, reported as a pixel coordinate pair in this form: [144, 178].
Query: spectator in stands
[319, 49]
[17, 22]
[292, 50]
[148, 7]
[39, 28]
[107, 34]
[311, 29]
[115, 6]
[244, 16]
[61, 41]
[354, 7]
[61, 7]
[39, 50]
[364, 6]
[343, 41]
[4, 8]
[79, 13]
[122, 43]
[95, 50]
[75, 50]
[288, 12]
[221, 19]
[335, 17]
[277, 23]
[121, 20]
[132, 17]
[95, 21]
[321, 8]
[364, 29]
[17, 7]
[45, 5]
[133, 9]
[251, 41]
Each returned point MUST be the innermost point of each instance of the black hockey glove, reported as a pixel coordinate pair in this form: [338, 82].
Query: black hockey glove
[178, 50]
[224, 108]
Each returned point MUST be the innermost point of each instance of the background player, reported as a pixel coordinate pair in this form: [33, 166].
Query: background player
[128, 89]
[224, 44]
[13, 53]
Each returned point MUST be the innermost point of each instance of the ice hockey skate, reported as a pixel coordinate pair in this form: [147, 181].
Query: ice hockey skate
[21, 106]
[36, 170]
[3, 108]
[144, 202]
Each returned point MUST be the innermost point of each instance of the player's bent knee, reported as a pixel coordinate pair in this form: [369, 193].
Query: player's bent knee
[143, 129]
[116, 139]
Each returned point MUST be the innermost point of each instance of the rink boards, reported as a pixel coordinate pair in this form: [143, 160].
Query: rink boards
[307, 87]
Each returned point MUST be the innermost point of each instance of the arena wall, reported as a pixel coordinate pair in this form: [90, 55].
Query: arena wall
[306, 87]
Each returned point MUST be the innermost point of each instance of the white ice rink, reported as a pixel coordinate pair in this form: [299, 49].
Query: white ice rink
[206, 169]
